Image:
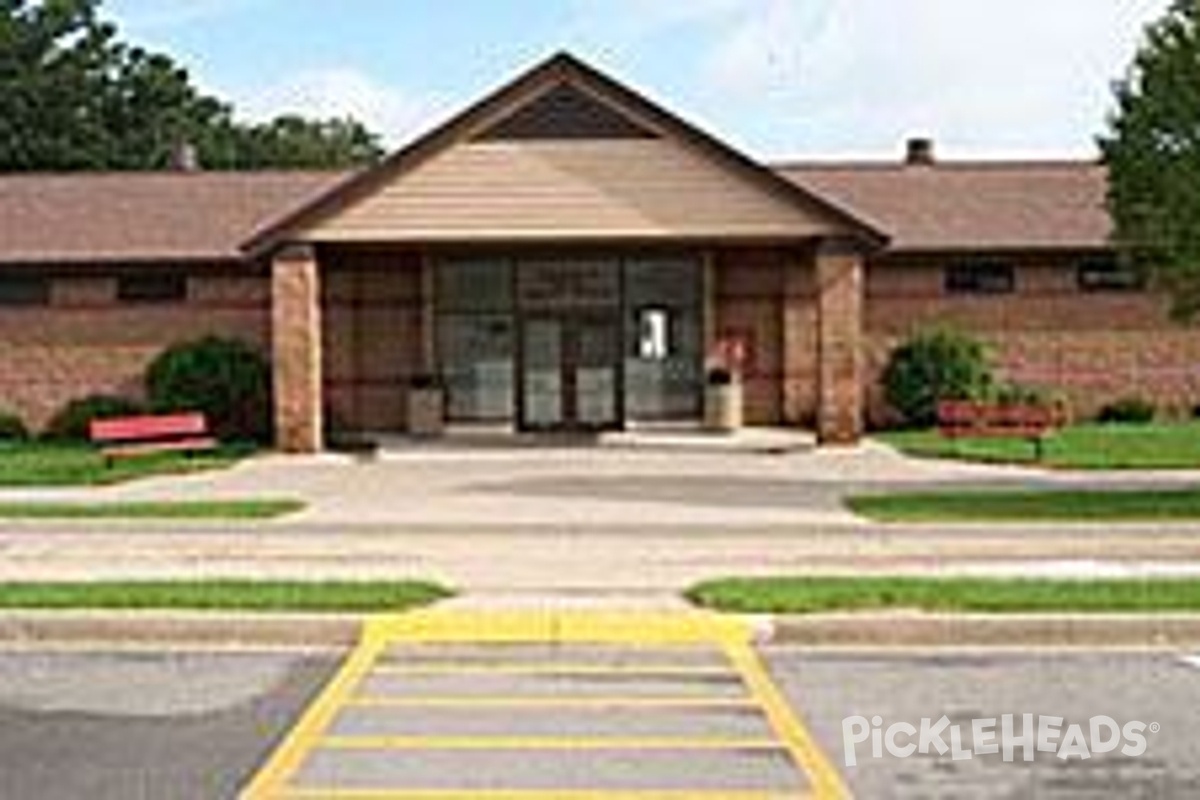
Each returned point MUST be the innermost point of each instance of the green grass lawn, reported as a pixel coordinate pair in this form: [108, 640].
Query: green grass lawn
[1031, 506]
[1091, 446]
[38, 464]
[224, 596]
[181, 510]
[814, 595]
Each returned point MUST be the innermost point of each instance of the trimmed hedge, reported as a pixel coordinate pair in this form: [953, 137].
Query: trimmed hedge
[931, 367]
[225, 379]
[1129, 411]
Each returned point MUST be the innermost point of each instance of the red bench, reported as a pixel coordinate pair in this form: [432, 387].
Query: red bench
[130, 437]
[965, 419]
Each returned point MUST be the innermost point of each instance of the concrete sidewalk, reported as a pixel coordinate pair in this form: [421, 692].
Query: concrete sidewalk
[640, 562]
[652, 480]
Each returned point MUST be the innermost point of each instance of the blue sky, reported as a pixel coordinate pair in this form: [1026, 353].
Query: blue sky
[779, 78]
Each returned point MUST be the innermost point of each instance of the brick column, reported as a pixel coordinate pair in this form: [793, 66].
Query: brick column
[296, 346]
[839, 276]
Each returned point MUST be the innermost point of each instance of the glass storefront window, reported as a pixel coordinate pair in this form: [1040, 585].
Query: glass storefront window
[475, 338]
[657, 338]
[474, 286]
[664, 338]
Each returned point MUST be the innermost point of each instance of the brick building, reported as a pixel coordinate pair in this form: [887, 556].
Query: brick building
[567, 254]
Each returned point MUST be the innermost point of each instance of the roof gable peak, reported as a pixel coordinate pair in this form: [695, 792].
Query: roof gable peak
[598, 105]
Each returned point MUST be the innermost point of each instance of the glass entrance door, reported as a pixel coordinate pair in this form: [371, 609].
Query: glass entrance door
[570, 379]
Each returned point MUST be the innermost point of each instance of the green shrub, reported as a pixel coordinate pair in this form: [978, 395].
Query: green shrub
[1016, 394]
[931, 367]
[72, 422]
[1129, 411]
[12, 428]
[225, 379]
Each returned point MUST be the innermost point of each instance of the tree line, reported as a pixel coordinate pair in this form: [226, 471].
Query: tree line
[74, 96]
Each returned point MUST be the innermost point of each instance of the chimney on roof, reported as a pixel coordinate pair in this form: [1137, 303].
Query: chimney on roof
[185, 157]
[921, 152]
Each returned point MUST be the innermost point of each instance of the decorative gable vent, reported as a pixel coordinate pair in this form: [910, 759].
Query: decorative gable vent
[565, 113]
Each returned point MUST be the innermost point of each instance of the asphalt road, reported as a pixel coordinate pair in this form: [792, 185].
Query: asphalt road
[1161, 689]
[196, 725]
[143, 726]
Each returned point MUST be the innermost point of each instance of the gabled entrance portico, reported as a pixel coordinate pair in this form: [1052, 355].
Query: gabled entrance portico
[564, 256]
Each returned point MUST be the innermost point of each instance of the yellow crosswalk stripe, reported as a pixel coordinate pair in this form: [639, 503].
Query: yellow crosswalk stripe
[580, 702]
[826, 780]
[543, 743]
[552, 669]
[385, 637]
[537, 794]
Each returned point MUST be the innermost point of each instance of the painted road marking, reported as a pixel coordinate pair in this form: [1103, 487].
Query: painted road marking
[553, 702]
[553, 670]
[681, 743]
[520, 794]
[560, 647]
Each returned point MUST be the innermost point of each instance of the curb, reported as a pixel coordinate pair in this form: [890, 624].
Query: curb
[851, 630]
[900, 630]
[179, 629]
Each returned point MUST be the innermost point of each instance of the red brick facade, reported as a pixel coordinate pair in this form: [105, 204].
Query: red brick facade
[87, 341]
[374, 337]
[1095, 347]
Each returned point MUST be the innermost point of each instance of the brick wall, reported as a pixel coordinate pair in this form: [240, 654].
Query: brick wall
[373, 336]
[767, 298]
[86, 341]
[1096, 347]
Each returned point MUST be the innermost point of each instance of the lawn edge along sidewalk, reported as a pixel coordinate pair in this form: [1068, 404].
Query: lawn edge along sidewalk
[1117, 505]
[102, 629]
[249, 510]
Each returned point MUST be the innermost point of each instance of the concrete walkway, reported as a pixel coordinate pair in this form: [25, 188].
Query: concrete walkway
[630, 522]
[643, 567]
[763, 478]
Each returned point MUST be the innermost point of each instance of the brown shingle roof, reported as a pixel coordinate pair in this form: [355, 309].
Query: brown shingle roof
[976, 206]
[75, 218]
[110, 217]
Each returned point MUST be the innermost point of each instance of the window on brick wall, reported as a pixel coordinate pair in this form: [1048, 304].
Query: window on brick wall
[1107, 274]
[24, 290]
[166, 287]
[981, 277]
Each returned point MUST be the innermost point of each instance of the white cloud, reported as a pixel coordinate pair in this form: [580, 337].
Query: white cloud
[985, 77]
[394, 113]
[1019, 76]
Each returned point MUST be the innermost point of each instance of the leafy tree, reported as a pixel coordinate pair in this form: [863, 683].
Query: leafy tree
[1152, 150]
[292, 141]
[74, 97]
